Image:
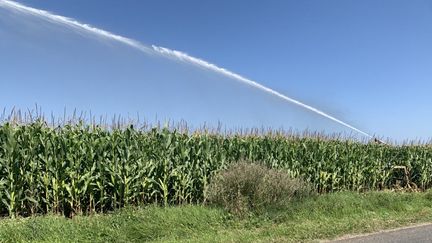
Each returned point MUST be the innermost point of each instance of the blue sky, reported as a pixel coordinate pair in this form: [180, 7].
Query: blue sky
[366, 62]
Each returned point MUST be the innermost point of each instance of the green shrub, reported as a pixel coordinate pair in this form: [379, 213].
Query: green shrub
[249, 187]
[428, 194]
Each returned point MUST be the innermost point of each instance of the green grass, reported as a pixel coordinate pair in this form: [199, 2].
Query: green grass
[321, 217]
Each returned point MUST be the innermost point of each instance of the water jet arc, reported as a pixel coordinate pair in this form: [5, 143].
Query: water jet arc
[173, 54]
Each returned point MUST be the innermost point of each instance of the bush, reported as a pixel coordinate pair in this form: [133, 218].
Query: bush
[248, 187]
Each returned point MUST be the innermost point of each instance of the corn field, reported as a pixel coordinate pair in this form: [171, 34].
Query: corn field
[74, 169]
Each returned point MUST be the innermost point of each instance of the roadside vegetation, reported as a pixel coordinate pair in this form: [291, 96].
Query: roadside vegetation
[319, 217]
[87, 182]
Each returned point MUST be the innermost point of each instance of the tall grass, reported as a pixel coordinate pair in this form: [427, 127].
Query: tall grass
[77, 168]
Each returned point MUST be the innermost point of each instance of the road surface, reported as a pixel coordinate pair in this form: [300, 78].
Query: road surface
[420, 233]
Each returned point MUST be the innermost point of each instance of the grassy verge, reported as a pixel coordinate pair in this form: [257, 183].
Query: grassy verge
[322, 217]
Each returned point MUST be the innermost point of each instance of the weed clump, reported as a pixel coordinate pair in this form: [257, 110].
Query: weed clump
[245, 188]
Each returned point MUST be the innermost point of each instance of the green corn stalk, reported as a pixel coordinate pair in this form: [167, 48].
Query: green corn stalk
[86, 168]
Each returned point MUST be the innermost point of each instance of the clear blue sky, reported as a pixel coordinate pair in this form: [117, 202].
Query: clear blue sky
[366, 62]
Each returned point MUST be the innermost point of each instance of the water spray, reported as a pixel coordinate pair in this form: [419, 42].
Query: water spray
[165, 52]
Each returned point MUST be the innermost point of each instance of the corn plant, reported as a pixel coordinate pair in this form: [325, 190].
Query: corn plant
[77, 168]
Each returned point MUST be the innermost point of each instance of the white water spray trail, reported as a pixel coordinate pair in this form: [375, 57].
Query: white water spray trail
[164, 52]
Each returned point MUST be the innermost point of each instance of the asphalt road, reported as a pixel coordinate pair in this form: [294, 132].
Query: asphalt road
[421, 233]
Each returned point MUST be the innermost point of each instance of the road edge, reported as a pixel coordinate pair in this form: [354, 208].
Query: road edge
[354, 236]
